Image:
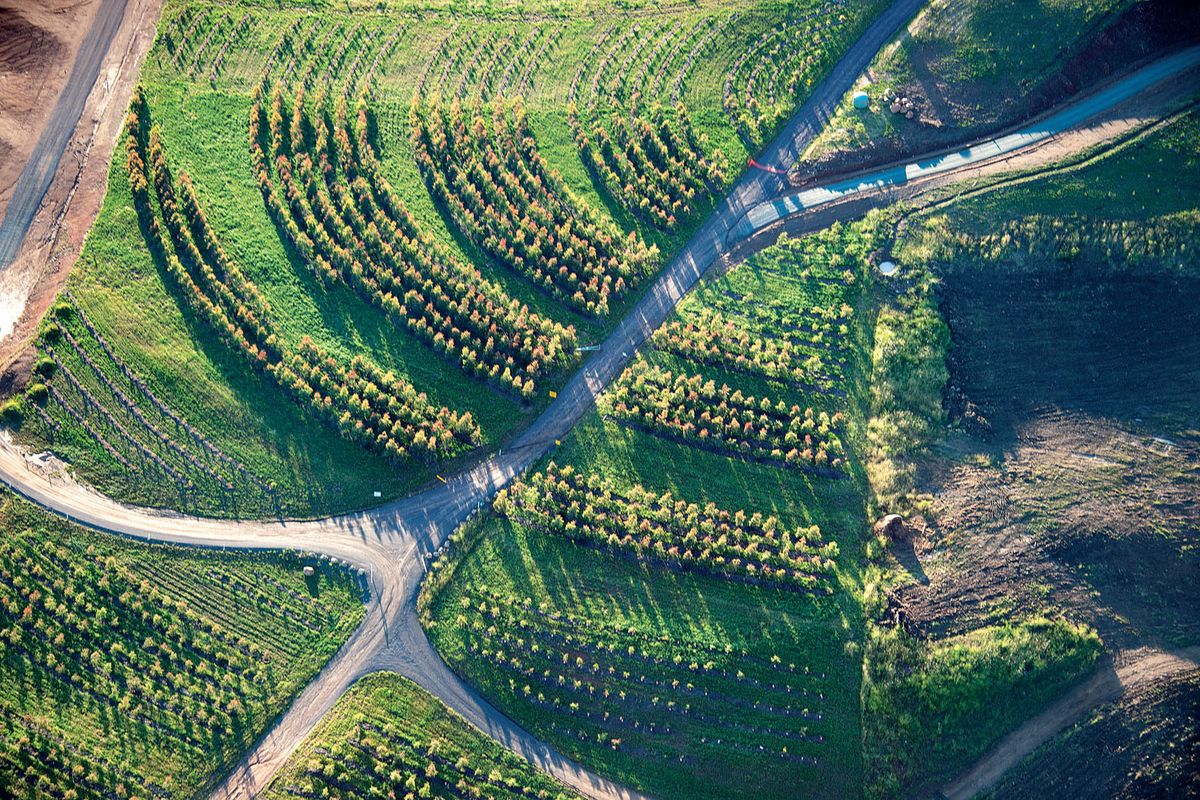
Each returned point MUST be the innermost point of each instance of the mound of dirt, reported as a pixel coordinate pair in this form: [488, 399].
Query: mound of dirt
[1084, 493]
[1079, 514]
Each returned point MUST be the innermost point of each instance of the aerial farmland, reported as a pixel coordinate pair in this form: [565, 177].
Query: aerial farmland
[594, 399]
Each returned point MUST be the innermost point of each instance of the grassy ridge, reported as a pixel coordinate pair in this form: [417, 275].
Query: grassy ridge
[963, 64]
[931, 708]
[146, 670]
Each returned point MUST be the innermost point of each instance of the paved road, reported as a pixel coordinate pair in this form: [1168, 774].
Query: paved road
[394, 541]
[43, 161]
[1108, 685]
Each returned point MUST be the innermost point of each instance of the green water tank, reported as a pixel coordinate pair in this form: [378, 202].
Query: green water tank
[861, 100]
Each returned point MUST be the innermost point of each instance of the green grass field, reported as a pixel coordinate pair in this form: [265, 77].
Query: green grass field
[139, 670]
[650, 665]
[389, 735]
[723, 86]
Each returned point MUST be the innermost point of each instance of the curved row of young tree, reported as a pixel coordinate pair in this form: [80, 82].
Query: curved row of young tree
[695, 409]
[593, 510]
[324, 188]
[778, 69]
[485, 169]
[712, 339]
[648, 155]
[136, 671]
[374, 408]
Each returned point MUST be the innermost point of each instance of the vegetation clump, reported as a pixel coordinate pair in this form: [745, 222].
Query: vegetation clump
[147, 667]
[943, 703]
[388, 735]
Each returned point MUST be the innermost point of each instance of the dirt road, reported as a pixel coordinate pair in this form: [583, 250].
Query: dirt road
[54, 238]
[394, 541]
[39, 40]
[43, 161]
[1108, 685]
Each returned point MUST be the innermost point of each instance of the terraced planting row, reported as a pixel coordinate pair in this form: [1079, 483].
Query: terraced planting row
[487, 171]
[142, 671]
[97, 396]
[616, 692]
[663, 529]
[695, 410]
[755, 366]
[782, 65]
[661, 705]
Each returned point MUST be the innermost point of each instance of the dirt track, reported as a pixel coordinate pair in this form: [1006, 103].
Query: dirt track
[1106, 686]
[42, 162]
[38, 43]
[58, 208]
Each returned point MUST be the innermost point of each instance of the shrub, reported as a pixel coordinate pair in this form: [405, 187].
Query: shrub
[45, 366]
[12, 411]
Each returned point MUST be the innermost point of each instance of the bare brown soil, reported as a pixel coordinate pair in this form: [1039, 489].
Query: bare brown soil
[953, 112]
[1145, 745]
[69, 208]
[1079, 486]
[1073, 488]
[1079, 515]
[38, 43]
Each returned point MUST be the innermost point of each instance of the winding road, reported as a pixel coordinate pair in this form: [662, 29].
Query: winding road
[393, 542]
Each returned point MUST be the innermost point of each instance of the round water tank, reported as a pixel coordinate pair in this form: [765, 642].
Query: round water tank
[888, 267]
[861, 100]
